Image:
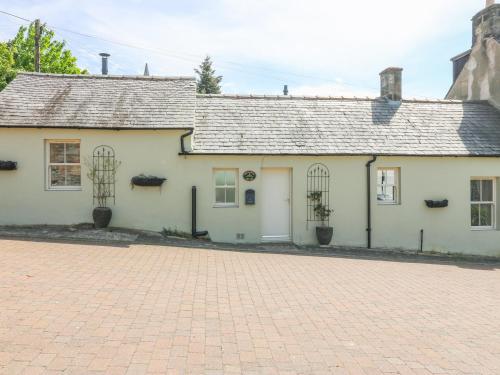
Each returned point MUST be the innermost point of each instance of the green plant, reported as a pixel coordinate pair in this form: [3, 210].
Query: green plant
[102, 182]
[321, 211]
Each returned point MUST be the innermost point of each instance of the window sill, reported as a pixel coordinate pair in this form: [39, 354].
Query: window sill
[481, 229]
[225, 206]
[64, 188]
[388, 203]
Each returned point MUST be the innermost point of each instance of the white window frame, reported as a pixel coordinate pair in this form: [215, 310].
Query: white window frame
[48, 164]
[397, 185]
[493, 203]
[215, 186]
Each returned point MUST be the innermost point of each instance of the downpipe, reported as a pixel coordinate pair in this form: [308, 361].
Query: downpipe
[194, 232]
[369, 202]
[183, 147]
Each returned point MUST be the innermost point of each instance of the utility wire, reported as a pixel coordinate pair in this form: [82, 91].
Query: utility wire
[242, 68]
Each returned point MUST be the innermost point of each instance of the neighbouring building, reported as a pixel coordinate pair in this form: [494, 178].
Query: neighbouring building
[398, 173]
[476, 72]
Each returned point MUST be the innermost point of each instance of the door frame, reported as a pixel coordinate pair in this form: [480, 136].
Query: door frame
[290, 207]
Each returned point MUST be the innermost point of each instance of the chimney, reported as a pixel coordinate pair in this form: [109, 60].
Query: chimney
[285, 90]
[104, 66]
[390, 84]
[146, 70]
[486, 22]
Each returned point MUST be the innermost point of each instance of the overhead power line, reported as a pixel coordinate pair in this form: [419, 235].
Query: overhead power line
[242, 68]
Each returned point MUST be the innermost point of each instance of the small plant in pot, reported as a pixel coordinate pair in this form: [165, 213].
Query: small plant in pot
[103, 190]
[324, 233]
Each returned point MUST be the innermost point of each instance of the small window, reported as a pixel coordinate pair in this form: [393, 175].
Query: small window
[388, 185]
[63, 165]
[482, 201]
[225, 187]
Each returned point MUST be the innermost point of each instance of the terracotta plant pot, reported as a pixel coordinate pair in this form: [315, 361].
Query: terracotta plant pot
[324, 235]
[101, 216]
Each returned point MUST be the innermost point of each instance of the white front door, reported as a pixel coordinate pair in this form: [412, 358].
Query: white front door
[275, 203]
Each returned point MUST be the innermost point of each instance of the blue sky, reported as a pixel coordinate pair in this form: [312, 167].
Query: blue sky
[317, 47]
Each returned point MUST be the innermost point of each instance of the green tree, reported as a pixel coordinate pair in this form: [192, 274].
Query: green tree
[54, 58]
[208, 82]
[7, 72]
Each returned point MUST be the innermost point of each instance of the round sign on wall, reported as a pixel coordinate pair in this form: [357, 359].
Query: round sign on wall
[249, 175]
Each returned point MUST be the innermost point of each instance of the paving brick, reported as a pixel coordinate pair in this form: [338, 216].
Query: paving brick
[88, 309]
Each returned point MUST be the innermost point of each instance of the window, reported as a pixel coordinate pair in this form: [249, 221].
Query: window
[388, 185]
[225, 187]
[63, 165]
[482, 203]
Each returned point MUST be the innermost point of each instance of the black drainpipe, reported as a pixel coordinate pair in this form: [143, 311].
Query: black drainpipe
[183, 148]
[194, 232]
[369, 201]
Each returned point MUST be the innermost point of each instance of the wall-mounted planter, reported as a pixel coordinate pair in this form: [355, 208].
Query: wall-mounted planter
[436, 204]
[147, 180]
[7, 165]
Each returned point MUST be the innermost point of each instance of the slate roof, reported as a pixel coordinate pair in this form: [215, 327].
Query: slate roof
[341, 126]
[226, 124]
[96, 101]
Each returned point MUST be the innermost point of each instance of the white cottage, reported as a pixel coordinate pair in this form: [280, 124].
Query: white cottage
[397, 173]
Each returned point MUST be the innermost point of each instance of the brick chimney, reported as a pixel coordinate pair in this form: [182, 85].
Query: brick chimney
[390, 83]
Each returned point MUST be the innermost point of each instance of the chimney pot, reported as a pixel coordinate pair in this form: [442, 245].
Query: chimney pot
[285, 90]
[104, 63]
[390, 83]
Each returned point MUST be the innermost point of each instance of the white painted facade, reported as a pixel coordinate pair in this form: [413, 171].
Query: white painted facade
[24, 198]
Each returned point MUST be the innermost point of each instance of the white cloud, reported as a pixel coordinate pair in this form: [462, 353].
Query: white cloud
[290, 41]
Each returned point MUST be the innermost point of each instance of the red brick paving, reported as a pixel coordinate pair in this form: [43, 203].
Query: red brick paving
[88, 309]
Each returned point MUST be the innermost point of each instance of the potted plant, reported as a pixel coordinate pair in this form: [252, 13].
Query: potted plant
[324, 232]
[103, 190]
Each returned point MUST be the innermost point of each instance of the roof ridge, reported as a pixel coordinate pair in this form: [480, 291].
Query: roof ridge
[336, 97]
[110, 76]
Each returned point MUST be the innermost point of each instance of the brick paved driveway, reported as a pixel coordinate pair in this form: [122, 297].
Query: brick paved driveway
[89, 309]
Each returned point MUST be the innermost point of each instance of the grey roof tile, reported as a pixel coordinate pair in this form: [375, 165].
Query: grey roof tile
[86, 101]
[288, 125]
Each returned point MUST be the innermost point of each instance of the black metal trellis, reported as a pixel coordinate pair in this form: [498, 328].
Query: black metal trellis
[318, 182]
[104, 166]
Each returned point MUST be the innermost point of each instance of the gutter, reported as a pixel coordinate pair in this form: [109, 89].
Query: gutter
[369, 202]
[194, 153]
[183, 147]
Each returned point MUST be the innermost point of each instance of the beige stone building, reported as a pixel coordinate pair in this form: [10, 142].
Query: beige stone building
[397, 173]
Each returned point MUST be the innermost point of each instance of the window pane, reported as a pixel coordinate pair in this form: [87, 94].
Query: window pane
[386, 193]
[73, 175]
[474, 215]
[379, 177]
[57, 175]
[485, 215]
[487, 190]
[57, 152]
[230, 195]
[230, 178]
[220, 178]
[220, 196]
[72, 153]
[475, 195]
[390, 177]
